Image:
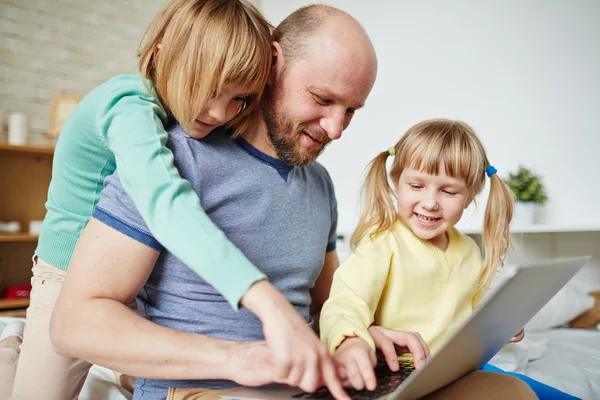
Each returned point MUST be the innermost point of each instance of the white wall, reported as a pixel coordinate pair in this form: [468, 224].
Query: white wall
[51, 45]
[525, 75]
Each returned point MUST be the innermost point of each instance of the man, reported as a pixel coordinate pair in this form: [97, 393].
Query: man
[268, 196]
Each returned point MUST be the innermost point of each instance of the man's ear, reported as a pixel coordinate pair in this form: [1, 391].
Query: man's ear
[277, 63]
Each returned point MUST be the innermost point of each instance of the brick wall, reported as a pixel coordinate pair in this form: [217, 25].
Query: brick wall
[72, 45]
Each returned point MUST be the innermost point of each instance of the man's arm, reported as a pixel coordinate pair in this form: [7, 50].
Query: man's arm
[320, 293]
[91, 319]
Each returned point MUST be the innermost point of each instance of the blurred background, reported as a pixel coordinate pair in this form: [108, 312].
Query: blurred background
[524, 74]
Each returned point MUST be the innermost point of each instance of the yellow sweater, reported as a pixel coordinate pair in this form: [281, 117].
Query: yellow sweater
[401, 282]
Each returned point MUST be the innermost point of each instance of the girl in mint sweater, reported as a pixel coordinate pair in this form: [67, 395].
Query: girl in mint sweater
[203, 63]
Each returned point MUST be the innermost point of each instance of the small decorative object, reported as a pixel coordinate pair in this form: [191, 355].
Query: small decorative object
[18, 292]
[10, 227]
[35, 227]
[529, 192]
[17, 129]
[62, 106]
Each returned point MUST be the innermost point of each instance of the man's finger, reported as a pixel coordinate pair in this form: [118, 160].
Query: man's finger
[311, 377]
[284, 368]
[295, 375]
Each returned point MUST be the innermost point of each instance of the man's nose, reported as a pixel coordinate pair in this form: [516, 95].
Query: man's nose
[333, 123]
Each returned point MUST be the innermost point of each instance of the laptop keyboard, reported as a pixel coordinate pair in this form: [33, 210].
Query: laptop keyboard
[387, 382]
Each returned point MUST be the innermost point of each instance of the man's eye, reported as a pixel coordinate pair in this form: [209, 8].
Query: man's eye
[350, 111]
[321, 100]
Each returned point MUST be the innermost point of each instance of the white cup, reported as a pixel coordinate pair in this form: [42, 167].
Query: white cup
[17, 129]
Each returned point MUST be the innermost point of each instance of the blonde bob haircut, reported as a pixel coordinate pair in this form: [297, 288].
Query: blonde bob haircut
[425, 147]
[206, 45]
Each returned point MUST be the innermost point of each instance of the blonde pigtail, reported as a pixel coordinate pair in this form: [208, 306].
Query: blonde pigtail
[496, 232]
[379, 211]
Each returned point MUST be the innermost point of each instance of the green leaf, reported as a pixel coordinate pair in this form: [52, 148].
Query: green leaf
[527, 186]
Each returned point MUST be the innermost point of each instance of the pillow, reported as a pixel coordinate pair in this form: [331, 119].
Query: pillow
[590, 318]
[565, 306]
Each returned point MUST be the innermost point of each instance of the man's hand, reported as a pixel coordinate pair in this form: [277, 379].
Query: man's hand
[359, 360]
[391, 342]
[300, 359]
[518, 337]
[251, 363]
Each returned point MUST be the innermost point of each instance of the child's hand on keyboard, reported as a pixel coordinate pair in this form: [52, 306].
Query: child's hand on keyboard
[359, 361]
[393, 343]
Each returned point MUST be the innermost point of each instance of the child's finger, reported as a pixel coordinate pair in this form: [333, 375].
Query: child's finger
[391, 356]
[354, 375]
[341, 369]
[415, 346]
[367, 371]
[425, 347]
[387, 348]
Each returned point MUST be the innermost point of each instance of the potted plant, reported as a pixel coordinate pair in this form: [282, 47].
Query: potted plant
[529, 192]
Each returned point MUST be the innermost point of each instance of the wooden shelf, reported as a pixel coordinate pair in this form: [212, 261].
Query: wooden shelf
[47, 150]
[17, 237]
[12, 304]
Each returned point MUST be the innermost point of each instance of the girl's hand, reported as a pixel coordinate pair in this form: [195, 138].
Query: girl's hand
[358, 360]
[518, 337]
[392, 343]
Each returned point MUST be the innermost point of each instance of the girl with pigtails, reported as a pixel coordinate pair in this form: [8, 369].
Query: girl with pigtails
[410, 268]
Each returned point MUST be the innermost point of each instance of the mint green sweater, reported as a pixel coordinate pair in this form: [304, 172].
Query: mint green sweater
[119, 124]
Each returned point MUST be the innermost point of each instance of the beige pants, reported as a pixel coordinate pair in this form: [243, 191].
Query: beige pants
[474, 386]
[40, 373]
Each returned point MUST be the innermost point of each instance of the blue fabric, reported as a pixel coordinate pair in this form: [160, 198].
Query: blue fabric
[282, 217]
[130, 230]
[543, 391]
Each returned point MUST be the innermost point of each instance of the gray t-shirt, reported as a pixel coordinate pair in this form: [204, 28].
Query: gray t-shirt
[282, 217]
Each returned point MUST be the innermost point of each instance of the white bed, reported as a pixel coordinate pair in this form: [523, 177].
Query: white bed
[570, 363]
[567, 359]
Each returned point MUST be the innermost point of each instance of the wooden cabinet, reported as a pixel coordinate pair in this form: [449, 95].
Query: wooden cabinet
[25, 174]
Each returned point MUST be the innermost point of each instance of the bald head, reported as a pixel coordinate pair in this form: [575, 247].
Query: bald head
[297, 33]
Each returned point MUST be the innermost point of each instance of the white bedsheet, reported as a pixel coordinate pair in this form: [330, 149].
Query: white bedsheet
[570, 363]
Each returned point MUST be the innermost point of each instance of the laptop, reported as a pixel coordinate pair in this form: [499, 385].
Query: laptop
[493, 323]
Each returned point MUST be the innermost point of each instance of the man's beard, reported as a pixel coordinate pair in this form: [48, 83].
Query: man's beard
[285, 137]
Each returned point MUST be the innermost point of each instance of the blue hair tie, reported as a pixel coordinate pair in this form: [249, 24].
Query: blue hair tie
[490, 171]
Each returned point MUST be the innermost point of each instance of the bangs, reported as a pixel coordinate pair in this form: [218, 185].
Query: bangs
[241, 50]
[206, 45]
[446, 144]
[247, 62]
